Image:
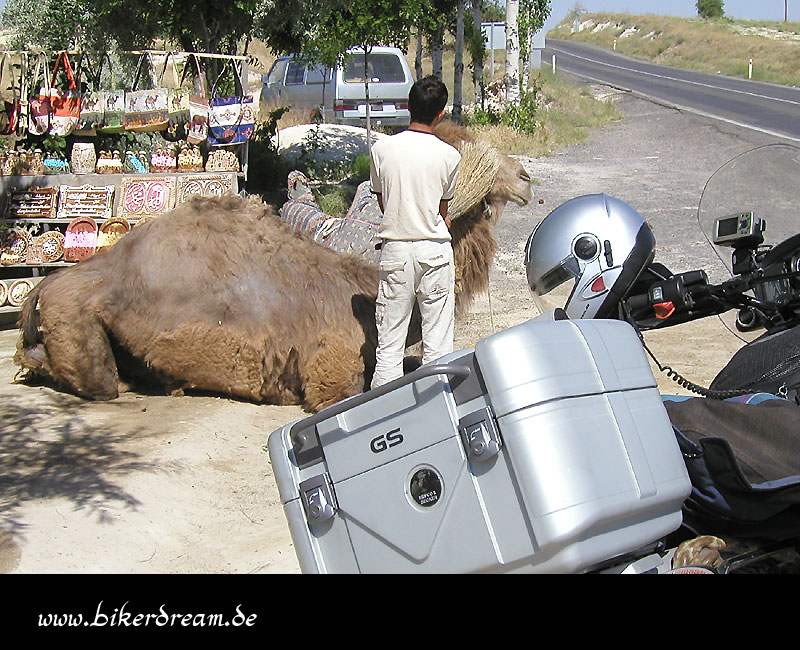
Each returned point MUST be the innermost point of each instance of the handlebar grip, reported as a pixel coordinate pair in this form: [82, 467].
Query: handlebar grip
[639, 301]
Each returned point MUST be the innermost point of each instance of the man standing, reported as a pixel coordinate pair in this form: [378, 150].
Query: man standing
[414, 175]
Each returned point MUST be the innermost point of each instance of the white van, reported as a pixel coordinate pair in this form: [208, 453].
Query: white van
[340, 94]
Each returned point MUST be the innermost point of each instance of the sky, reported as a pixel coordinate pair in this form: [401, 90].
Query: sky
[748, 9]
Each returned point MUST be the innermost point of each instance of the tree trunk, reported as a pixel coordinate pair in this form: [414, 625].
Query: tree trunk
[366, 93]
[458, 72]
[418, 57]
[437, 48]
[512, 53]
[477, 61]
[525, 61]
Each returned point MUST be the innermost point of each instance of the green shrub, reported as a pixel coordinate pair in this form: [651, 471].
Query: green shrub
[267, 169]
[521, 117]
[359, 169]
[334, 200]
[710, 8]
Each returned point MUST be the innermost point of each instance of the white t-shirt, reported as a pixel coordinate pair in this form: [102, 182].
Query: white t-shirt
[413, 171]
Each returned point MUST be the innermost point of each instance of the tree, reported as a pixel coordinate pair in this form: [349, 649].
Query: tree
[458, 72]
[323, 30]
[199, 26]
[107, 25]
[478, 51]
[710, 8]
[532, 16]
[511, 77]
[52, 24]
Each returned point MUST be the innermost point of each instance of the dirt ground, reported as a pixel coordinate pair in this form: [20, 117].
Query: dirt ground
[180, 485]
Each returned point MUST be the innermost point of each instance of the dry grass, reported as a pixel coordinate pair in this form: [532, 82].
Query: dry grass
[717, 46]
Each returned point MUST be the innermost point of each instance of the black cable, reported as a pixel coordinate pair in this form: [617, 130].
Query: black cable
[690, 385]
[675, 376]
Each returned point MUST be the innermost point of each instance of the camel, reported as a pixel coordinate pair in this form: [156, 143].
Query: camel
[489, 180]
[220, 295]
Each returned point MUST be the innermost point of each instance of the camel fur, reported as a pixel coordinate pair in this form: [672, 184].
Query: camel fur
[221, 295]
[217, 295]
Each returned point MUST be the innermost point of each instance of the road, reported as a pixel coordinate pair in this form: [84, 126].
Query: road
[769, 108]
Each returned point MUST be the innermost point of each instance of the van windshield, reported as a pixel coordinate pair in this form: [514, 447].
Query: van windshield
[382, 68]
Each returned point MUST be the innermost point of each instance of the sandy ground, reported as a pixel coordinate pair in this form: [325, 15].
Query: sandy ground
[160, 484]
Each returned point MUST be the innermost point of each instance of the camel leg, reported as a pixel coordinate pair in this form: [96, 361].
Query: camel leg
[333, 372]
[79, 352]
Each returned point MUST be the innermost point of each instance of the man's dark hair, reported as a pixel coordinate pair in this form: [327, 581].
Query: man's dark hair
[427, 98]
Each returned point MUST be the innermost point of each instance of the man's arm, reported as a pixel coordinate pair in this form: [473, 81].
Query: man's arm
[443, 205]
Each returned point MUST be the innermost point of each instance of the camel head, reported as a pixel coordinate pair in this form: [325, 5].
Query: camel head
[512, 183]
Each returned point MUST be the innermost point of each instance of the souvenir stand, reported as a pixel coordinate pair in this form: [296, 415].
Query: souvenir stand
[58, 208]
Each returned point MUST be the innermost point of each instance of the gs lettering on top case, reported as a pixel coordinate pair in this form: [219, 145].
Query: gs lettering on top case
[385, 441]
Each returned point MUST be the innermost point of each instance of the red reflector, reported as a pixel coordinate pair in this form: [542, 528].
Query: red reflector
[664, 309]
[598, 285]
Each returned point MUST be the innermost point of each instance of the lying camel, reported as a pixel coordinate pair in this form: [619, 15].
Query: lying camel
[221, 295]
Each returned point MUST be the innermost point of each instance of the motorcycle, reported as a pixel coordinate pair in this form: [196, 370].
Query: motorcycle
[757, 284]
[739, 439]
[507, 458]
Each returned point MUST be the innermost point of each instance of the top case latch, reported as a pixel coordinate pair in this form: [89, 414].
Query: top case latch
[480, 435]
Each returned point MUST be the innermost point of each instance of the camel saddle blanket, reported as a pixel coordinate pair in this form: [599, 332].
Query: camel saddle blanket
[354, 234]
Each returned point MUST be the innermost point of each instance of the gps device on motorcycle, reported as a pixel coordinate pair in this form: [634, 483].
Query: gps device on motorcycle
[744, 229]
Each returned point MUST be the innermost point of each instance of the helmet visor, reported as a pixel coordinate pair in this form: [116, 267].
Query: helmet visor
[555, 286]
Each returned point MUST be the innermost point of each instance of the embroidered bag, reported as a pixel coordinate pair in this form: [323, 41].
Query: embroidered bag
[177, 100]
[146, 110]
[39, 104]
[197, 128]
[58, 109]
[92, 101]
[231, 119]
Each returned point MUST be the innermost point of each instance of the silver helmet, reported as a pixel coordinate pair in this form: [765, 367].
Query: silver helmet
[585, 255]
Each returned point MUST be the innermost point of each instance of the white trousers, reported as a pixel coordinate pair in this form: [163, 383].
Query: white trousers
[410, 271]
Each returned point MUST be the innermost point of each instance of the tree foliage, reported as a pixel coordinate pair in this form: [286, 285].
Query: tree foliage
[51, 24]
[710, 8]
[324, 29]
[198, 26]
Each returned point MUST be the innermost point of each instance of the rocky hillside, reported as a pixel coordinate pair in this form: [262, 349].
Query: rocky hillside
[724, 46]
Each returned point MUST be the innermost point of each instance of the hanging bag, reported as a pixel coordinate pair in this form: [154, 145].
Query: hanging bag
[177, 101]
[24, 99]
[11, 97]
[62, 105]
[146, 110]
[197, 128]
[231, 119]
[39, 113]
[113, 104]
[91, 116]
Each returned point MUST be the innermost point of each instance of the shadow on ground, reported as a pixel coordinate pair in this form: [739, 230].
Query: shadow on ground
[54, 452]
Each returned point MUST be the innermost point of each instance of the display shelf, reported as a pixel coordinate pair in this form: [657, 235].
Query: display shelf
[8, 183]
[54, 220]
